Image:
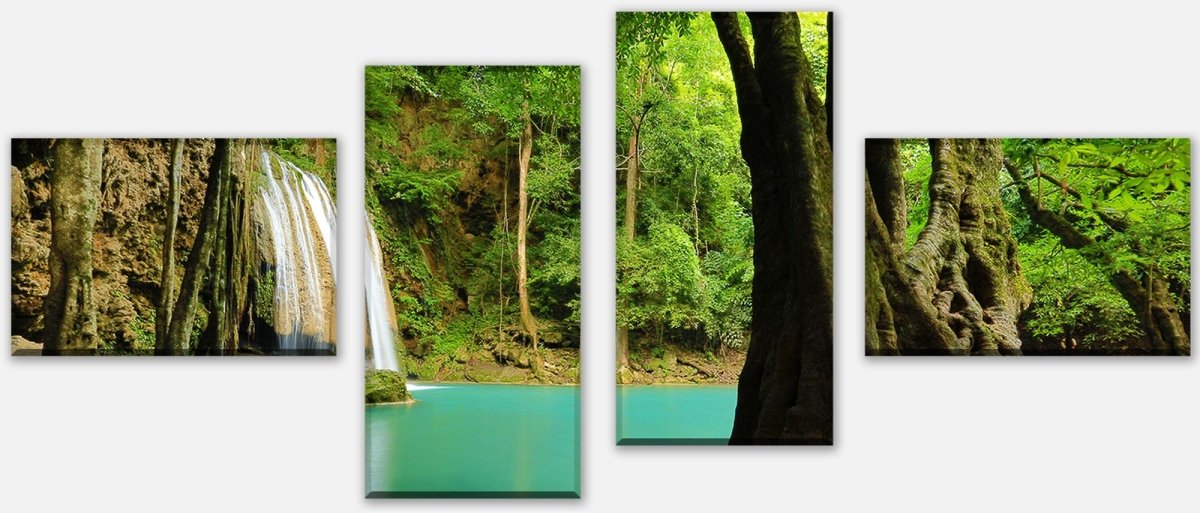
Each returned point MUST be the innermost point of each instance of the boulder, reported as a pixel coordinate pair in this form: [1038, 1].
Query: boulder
[385, 386]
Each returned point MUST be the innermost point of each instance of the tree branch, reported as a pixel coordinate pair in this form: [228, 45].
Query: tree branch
[729, 31]
[1119, 169]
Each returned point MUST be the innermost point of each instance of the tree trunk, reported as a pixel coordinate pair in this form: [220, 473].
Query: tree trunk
[785, 392]
[70, 314]
[212, 340]
[889, 202]
[632, 184]
[184, 314]
[166, 295]
[527, 321]
[631, 190]
[229, 267]
[959, 289]
[1147, 296]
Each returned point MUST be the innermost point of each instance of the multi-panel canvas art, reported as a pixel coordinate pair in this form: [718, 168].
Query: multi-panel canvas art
[724, 228]
[473, 276]
[1028, 246]
[173, 247]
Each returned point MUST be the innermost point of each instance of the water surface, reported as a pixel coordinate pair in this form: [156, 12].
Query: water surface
[675, 414]
[471, 440]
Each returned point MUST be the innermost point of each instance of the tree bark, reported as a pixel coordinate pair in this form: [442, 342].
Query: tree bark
[166, 295]
[887, 228]
[184, 314]
[212, 339]
[70, 314]
[527, 320]
[1147, 296]
[631, 190]
[959, 289]
[785, 392]
[632, 184]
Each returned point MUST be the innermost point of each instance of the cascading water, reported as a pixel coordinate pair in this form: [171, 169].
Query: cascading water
[381, 314]
[303, 228]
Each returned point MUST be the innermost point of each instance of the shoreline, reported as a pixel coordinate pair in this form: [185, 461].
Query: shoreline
[435, 383]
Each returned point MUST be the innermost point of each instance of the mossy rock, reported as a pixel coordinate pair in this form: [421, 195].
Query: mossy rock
[462, 354]
[493, 373]
[385, 386]
[624, 375]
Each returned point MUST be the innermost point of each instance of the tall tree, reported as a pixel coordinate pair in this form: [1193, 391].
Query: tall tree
[959, 289]
[183, 316]
[640, 40]
[70, 314]
[528, 322]
[166, 296]
[632, 181]
[785, 392]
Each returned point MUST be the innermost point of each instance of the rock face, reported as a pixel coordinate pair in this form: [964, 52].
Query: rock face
[127, 242]
[128, 233]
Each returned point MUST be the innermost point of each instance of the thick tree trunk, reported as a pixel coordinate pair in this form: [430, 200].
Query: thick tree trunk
[229, 267]
[166, 295]
[184, 314]
[785, 392]
[959, 289]
[889, 203]
[212, 339]
[528, 323]
[70, 314]
[1148, 295]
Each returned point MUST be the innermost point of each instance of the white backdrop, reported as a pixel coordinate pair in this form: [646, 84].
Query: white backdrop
[1083, 434]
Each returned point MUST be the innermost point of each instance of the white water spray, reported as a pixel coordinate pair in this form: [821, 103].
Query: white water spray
[303, 227]
[381, 314]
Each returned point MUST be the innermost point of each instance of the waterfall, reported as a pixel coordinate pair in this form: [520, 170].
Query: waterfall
[303, 228]
[381, 314]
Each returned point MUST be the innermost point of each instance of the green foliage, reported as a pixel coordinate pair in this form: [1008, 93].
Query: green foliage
[1074, 301]
[429, 185]
[442, 146]
[918, 165]
[814, 36]
[690, 269]
[640, 35]
[303, 153]
[461, 331]
[661, 280]
[264, 299]
[143, 333]
[1132, 196]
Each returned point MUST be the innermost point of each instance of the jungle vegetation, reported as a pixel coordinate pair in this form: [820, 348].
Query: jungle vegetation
[473, 188]
[164, 246]
[724, 250]
[1028, 246]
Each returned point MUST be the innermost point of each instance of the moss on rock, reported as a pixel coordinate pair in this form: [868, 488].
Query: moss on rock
[385, 386]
